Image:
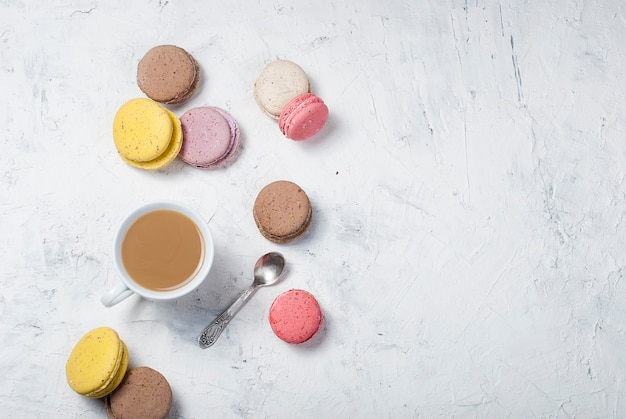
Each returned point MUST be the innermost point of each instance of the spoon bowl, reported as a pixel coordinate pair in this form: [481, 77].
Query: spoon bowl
[268, 270]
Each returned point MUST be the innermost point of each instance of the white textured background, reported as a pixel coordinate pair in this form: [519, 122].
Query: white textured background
[468, 245]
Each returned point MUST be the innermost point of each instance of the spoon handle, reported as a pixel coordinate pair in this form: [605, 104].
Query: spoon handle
[210, 333]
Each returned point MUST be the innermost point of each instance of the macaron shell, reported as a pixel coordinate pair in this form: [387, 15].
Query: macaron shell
[229, 158]
[116, 379]
[235, 132]
[168, 74]
[176, 142]
[279, 82]
[270, 235]
[295, 316]
[143, 393]
[282, 211]
[192, 89]
[96, 363]
[142, 130]
[303, 117]
[210, 136]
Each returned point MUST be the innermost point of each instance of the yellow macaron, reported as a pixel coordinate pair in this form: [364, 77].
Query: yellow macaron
[170, 153]
[146, 134]
[97, 363]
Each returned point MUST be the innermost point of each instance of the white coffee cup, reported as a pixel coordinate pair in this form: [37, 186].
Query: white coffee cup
[128, 286]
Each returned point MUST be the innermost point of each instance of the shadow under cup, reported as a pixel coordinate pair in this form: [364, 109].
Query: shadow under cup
[162, 251]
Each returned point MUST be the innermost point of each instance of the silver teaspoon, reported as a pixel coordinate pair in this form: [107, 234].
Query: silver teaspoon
[267, 271]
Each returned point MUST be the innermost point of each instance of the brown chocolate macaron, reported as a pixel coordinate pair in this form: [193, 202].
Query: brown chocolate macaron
[143, 393]
[282, 212]
[168, 74]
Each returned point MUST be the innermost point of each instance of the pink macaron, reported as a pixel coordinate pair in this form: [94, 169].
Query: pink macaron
[303, 117]
[211, 137]
[295, 316]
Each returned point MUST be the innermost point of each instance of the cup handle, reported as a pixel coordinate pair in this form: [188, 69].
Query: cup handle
[115, 295]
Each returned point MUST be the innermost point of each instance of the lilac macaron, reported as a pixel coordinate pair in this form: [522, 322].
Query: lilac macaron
[211, 137]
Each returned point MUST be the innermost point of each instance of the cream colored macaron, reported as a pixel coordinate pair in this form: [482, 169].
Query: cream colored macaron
[279, 82]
